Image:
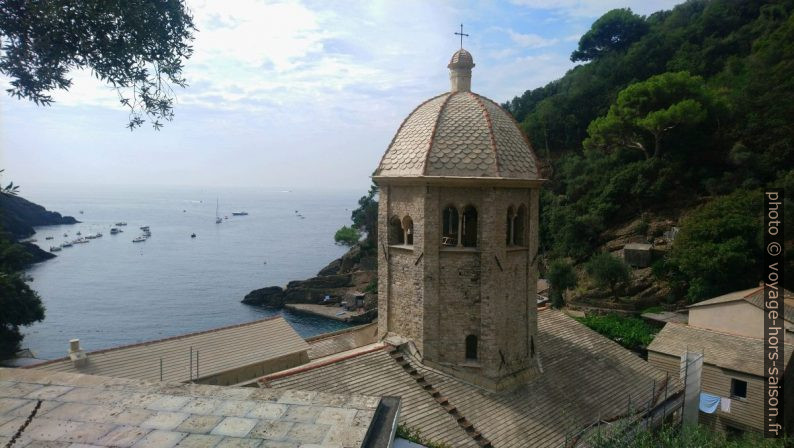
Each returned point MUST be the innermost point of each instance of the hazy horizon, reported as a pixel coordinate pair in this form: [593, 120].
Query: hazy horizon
[293, 95]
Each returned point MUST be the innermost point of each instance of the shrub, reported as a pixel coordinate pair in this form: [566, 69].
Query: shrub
[607, 271]
[561, 276]
[413, 435]
[630, 332]
[719, 248]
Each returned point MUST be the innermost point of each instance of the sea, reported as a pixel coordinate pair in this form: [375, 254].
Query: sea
[113, 291]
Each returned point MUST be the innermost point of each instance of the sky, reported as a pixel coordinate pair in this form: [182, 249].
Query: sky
[299, 94]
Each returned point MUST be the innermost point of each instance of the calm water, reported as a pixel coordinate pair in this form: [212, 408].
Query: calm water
[112, 291]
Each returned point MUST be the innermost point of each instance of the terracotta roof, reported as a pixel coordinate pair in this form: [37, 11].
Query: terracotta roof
[459, 134]
[728, 351]
[755, 296]
[585, 375]
[220, 350]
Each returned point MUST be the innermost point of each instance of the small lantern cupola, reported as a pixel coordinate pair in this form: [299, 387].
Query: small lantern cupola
[460, 71]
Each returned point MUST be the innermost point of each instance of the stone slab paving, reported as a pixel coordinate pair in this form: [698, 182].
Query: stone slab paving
[88, 411]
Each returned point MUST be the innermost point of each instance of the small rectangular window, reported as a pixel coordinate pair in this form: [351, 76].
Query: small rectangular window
[738, 388]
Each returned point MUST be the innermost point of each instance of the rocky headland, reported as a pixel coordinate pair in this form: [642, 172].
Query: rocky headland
[18, 217]
[352, 274]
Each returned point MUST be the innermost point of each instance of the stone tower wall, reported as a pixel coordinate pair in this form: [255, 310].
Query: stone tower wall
[438, 295]
[400, 264]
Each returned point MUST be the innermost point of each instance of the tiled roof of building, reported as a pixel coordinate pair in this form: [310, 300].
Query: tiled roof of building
[459, 134]
[219, 350]
[755, 296]
[729, 351]
[576, 362]
[101, 411]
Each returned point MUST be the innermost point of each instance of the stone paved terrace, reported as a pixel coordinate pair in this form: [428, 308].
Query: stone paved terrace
[83, 410]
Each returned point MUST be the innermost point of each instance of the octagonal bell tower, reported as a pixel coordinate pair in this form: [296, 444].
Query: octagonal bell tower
[458, 234]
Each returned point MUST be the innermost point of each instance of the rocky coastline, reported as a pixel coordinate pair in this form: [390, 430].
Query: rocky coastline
[345, 278]
[18, 217]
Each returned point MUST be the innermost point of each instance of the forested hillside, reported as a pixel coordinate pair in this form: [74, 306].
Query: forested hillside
[686, 113]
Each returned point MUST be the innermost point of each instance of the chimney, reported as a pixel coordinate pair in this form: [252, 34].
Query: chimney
[76, 354]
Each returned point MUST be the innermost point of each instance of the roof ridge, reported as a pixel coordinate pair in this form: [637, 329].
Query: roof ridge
[405, 120]
[712, 331]
[435, 128]
[307, 367]
[490, 131]
[155, 341]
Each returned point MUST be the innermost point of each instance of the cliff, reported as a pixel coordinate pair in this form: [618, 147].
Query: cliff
[354, 272]
[18, 216]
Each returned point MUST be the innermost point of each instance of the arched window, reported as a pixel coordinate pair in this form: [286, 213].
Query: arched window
[469, 233]
[511, 215]
[519, 227]
[408, 228]
[396, 235]
[449, 226]
[471, 347]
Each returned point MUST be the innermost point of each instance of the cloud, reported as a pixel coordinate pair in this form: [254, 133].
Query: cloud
[530, 40]
[596, 8]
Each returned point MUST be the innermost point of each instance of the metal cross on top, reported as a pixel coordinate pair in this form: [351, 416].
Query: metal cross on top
[461, 35]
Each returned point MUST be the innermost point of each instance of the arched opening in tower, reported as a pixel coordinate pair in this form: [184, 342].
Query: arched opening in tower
[511, 215]
[396, 235]
[471, 347]
[469, 233]
[408, 229]
[449, 227]
[519, 226]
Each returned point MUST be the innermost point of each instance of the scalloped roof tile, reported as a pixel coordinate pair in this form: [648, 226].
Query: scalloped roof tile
[459, 134]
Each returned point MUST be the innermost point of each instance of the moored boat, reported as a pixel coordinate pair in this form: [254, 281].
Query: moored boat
[55, 248]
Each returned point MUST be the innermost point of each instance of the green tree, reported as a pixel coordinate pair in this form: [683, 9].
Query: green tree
[9, 189]
[20, 305]
[719, 247]
[136, 46]
[347, 236]
[614, 31]
[561, 276]
[608, 271]
[365, 217]
[646, 111]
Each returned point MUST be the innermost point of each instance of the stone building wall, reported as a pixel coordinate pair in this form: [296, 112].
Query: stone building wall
[439, 295]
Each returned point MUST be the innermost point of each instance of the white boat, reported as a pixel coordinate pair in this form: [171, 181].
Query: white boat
[55, 248]
[139, 239]
[218, 219]
[66, 244]
[115, 231]
[49, 238]
[122, 223]
[98, 235]
[80, 241]
[145, 228]
[239, 213]
[78, 233]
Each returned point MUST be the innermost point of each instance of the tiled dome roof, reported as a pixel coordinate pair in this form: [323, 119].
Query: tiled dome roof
[459, 134]
[462, 57]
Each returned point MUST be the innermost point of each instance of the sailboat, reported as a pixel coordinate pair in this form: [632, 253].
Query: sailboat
[218, 219]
